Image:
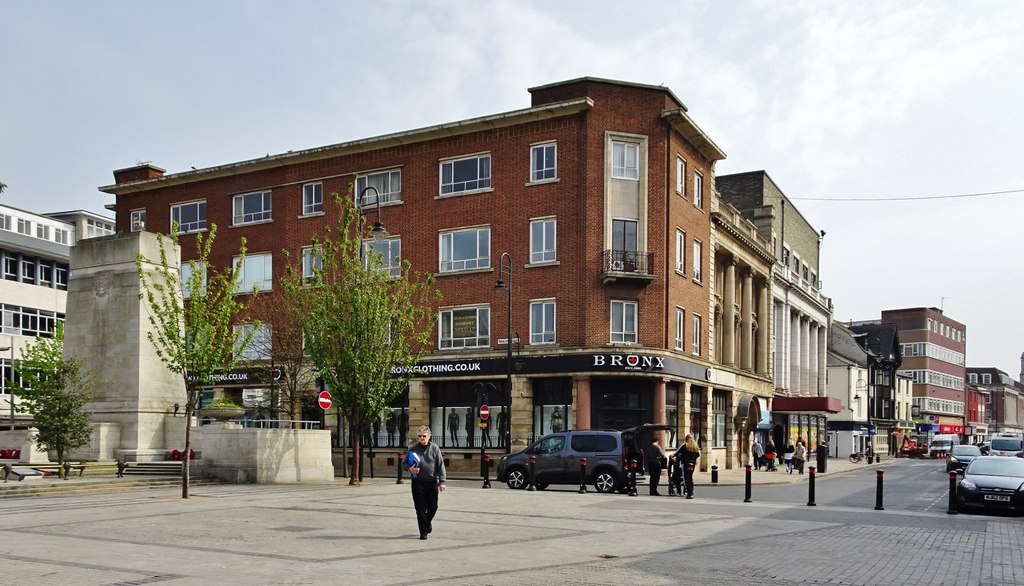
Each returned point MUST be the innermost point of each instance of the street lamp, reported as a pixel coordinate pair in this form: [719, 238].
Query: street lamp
[505, 268]
[3, 382]
[377, 231]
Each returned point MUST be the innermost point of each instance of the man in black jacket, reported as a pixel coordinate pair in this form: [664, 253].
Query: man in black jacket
[655, 458]
[426, 465]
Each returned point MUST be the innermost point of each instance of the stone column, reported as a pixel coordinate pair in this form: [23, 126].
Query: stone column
[522, 412]
[747, 321]
[684, 412]
[794, 352]
[659, 405]
[812, 358]
[582, 402]
[805, 361]
[729, 315]
[822, 364]
[763, 351]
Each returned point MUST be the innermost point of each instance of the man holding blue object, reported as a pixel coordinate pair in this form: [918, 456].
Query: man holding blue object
[426, 466]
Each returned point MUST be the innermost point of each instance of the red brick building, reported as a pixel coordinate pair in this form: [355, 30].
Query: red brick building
[602, 194]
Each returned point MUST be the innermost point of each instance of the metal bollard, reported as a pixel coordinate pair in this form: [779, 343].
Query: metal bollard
[810, 486]
[672, 477]
[952, 494]
[632, 478]
[487, 472]
[583, 476]
[746, 493]
[398, 456]
[533, 466]
[878, 491]
[714, 474]
[878, 458]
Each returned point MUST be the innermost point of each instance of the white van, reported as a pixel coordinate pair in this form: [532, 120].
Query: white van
[1006, 445]
[941, 444]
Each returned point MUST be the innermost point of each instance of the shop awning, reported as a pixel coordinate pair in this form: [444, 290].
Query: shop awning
[806, 405]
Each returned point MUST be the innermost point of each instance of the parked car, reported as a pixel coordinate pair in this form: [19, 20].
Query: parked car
[992, 482]
[1007, 445]
[557, 458]
[960, 456]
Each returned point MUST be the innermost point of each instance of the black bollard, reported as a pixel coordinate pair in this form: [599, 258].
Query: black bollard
[878, 458]
[672, 477]
[533, 466]
[632, 478]
[487, 472]
[878, 491]
[583, 476]
[714, 474]
[952, 494]
[399, 458]
[810, 486]
[746, 493]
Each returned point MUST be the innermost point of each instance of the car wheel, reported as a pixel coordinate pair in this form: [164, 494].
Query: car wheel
[604, 481]
[541, 485]
[516, 478]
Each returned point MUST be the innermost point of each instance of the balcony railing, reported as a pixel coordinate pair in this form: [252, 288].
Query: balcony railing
[627, 264]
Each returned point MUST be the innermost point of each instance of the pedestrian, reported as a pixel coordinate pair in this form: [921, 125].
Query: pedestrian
[686, 457]
[758, 452]
[655, 461]
[799, 456]
[787, 456]
[426, 466]
[769, 456]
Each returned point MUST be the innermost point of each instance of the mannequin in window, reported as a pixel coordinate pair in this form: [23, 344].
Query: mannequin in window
[485, 436]
[453, 427]
[390, 422]
[376, 432]
[556, 420]
[403, 426]
[469, 427]
[502, 421]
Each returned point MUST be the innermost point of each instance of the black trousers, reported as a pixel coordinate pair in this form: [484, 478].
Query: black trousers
[688, 479]
[424, 498]
[654, 469]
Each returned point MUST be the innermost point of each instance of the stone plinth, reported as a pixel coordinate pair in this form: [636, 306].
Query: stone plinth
[248, 455]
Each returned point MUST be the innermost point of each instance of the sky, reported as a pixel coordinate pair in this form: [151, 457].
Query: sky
[893, 105]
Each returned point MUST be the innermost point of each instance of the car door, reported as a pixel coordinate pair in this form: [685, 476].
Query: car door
[550, 454]
[581, 445]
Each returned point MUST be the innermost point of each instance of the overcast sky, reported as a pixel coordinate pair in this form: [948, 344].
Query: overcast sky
[838, 100]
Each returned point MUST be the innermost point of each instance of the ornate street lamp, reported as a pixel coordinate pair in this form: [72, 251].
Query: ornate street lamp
[377, 231]
[505, 268]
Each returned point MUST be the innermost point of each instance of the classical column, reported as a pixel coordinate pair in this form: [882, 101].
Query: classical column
[812, 358]
[747, 321]
[822, 364]
[805, 356]
[729, 317]
[794, 352]
[582, 402]
[762, 329]
[684, 412]
[659, 405]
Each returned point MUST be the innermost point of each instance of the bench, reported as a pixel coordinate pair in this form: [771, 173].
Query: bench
[51, 469]
[21, 473]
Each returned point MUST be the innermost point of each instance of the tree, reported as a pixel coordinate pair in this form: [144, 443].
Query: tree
[54, 390]
[364, 327]
[193, 319]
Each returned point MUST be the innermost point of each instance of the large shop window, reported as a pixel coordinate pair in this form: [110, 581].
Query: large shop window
[719, 399]
[672, 412]
[696, 411]
[454, 409]
[552, 406]
[391, 429]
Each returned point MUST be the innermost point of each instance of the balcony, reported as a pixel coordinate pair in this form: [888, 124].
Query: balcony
[627, 265]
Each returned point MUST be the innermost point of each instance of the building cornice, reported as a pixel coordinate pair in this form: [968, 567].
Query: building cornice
[684, 125]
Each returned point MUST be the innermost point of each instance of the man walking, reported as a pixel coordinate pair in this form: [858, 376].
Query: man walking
[655, 460]
[426, 466]
[758, 452]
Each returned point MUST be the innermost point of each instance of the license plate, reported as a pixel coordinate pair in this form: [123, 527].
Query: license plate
[997, 497]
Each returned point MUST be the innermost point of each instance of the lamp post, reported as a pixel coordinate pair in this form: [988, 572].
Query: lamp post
[3, 382]
[377, 231]
[505, 268]
[862, 387]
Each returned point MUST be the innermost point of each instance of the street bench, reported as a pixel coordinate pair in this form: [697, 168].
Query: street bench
[20, 473]
[50, 469]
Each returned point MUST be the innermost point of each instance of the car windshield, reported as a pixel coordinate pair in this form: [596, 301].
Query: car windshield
[966, 451]
[1006, 444]
[997, 467]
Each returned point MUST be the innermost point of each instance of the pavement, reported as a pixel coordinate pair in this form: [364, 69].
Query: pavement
[336, 533]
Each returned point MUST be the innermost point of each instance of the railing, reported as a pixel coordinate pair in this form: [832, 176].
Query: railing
[626, 263]
[278, 424]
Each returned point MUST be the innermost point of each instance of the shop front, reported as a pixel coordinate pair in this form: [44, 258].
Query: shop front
[802, 419]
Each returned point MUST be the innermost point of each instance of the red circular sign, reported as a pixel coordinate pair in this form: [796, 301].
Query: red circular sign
[485, 412]
[324, 399]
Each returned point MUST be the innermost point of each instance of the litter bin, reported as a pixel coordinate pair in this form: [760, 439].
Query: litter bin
[822, 458]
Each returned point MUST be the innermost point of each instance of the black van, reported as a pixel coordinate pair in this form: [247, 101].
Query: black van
[558, 458]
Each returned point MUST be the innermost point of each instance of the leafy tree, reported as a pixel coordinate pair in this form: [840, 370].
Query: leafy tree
[193, 319]
[364, 328]
[54, 390]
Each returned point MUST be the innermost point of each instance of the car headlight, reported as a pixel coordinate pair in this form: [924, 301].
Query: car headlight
[953, 459]
[968, 485]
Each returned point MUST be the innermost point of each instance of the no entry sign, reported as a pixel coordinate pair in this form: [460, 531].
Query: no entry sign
[485, 412]
[324, 399]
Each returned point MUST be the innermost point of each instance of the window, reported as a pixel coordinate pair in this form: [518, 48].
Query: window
[542, 240]
[251, 207]
[138, 222]
[718, 410]
[312, 261]
[785, 256]
[42, 232]
[28, 270]
[543, 162]
[61, 236]
[256, 271]
[11, 268]
[698, 257]
[190, 217]
[679, 328]
[389, 250]
[973, 378]
[465, 249]
[5, 222]
[625, 160]
[680, 252]
[468, 174]
[24, 227]
[95, 228]
[681, 176]
[698, 190]
[696, 409]
[189, 269]
[387, 183]
[986, 378]
[624, 235]
[542, 322]
[624, 322]
[312, 199]
[259, 347]
[467, 327]
[695, 335]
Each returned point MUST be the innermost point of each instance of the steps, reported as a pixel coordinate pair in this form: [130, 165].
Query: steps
[153, 469]
[56, 487]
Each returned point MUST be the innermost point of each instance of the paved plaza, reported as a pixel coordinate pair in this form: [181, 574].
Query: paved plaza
[337, 534]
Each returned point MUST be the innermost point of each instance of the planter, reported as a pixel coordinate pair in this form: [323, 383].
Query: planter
[222, 413]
